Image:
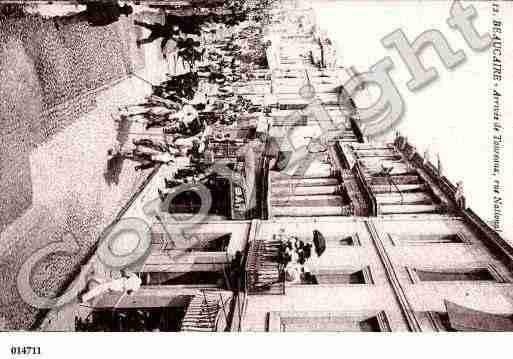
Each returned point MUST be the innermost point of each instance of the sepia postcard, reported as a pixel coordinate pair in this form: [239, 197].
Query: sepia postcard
[253, 166]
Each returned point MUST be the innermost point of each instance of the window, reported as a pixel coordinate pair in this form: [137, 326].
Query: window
[282, 160]
[482, 274]
[337, 276]
[138, 312]
[440, 321]
[404, 198]
[162, 319]
[328, 321]
[215, 278]
[426, 239]
[191, 242]
[351, 240]
[396, 179]
[295, 119]
[383, 155]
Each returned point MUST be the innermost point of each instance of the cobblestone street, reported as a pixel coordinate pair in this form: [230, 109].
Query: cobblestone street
[60, 91]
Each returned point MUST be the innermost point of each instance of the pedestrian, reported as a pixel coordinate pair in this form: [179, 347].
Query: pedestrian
[170, 183]
[150, 157]
[127, 284]
[154, 145]
[166, 32]
[148, 111]
[153, 160]
[96, 14]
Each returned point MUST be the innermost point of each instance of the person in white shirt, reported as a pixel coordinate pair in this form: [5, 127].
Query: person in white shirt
[181, 118]
[185, 144]
[151, 160]
[189, 123]
[164, 157]
[155, 105]
[149, 153]
[128, 283]
[186, 115]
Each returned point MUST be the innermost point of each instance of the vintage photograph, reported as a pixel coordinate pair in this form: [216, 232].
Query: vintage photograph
[255, 166]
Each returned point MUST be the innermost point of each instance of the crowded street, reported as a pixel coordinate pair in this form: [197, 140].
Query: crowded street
[71, 93]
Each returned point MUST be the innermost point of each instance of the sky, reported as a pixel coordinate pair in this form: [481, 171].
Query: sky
[453, 114]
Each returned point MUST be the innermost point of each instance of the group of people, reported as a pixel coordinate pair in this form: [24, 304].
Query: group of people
[182, 110]
[294, 256]
[191, 33]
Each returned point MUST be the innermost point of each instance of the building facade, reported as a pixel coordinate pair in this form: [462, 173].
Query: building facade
[402, 250]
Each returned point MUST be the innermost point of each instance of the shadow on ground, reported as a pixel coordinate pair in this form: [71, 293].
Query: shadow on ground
[113, 170]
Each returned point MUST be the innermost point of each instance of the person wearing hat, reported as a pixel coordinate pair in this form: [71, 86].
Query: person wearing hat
[148, 154]
[166, 32]
[152, 160]
[128, 283]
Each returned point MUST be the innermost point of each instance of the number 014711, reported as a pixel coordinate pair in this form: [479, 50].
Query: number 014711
[25, 350]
